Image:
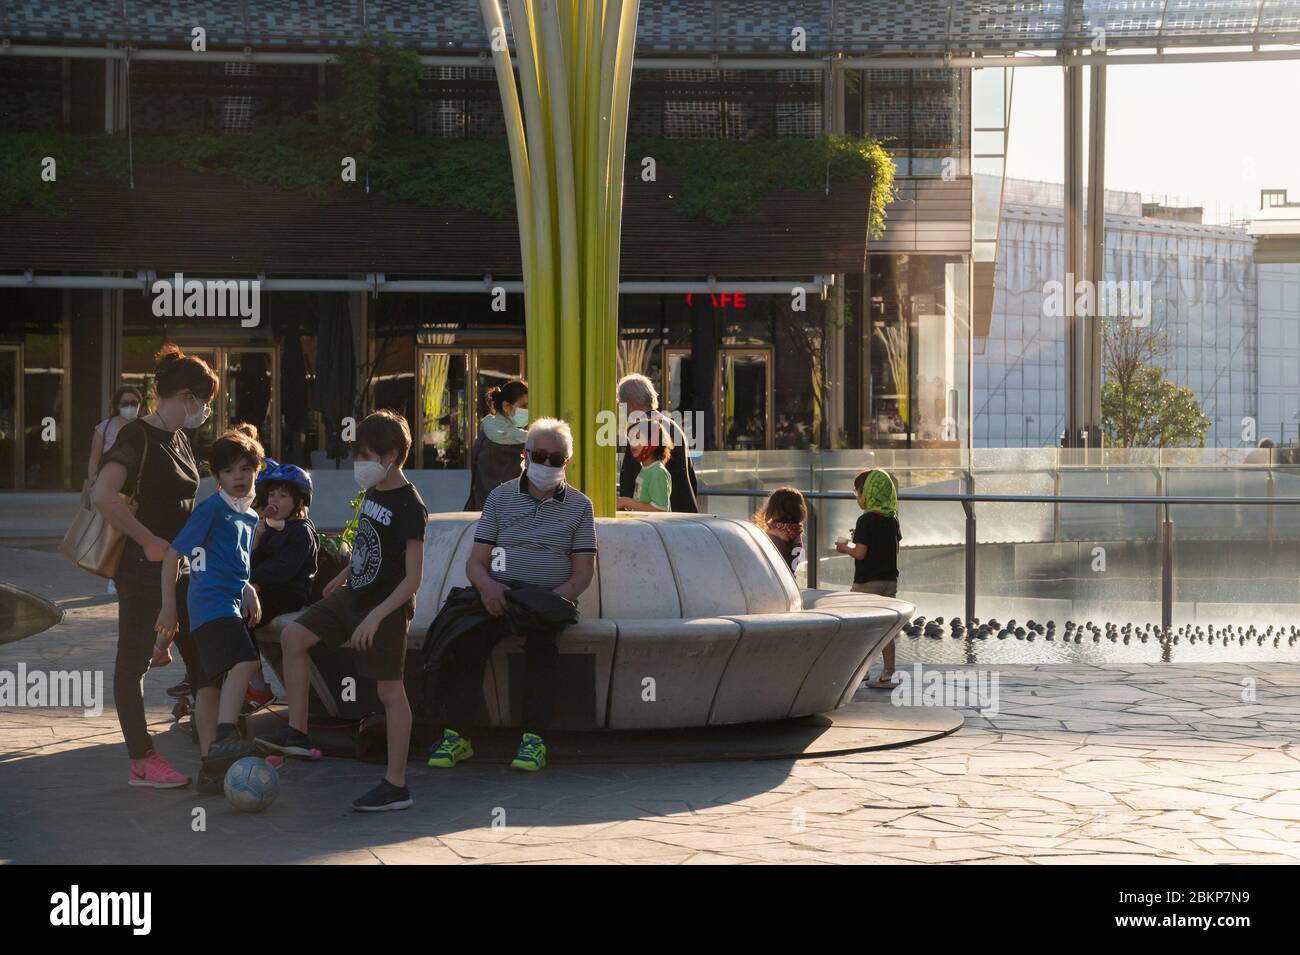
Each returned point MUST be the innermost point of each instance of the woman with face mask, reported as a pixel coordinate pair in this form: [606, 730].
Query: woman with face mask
[152, 462]
[126, 407]
[497, 455]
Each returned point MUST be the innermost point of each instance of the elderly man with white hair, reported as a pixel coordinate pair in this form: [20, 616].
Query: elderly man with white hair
[537, 532]
[638, 393]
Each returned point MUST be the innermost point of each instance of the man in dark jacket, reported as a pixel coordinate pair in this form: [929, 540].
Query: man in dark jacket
[639, 395]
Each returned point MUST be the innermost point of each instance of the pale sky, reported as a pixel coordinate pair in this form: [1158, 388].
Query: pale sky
[1199, 133]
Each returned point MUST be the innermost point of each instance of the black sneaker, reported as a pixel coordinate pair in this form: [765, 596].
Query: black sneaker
[287, 741]
[384, 798]
[180, 690]
[225, 751]
[210, 781]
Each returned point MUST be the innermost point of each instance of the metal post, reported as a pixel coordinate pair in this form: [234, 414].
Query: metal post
[1056, 492]
[1075, 260]
[971, 541]
[1272, 519]
[1167, 574]
[812, 553]
[1160, 492]
[1093, 344]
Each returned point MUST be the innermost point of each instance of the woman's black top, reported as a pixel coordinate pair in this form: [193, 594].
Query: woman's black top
[170, 478]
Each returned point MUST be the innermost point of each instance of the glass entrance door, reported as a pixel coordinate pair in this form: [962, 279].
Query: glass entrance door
[11, 403]
[741, 399]
[678, 389]
[745, 399]
[249, 393]
[453, 383]
[444, 409]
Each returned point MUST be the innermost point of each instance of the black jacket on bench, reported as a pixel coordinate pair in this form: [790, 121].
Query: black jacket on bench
[528, 609]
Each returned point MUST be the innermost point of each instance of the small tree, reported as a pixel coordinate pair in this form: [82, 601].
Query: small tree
[1140, 407]
[1150, 411]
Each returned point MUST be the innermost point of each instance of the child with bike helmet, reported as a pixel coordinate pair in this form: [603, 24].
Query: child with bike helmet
[285, 548]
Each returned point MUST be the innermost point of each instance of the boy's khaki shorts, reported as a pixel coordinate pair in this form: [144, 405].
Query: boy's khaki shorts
[334, 620]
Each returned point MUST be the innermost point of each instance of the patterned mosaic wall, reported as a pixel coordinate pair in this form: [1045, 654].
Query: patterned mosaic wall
[675, 26]
[725, 104]
[921, 115]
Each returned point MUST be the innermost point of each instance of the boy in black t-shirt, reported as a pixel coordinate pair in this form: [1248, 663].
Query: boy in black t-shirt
[368, 606]
[874, 548]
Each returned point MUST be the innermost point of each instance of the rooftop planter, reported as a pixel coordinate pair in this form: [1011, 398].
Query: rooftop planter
[720, 181]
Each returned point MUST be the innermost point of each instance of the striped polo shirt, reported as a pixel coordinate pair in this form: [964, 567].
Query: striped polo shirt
[537, 537]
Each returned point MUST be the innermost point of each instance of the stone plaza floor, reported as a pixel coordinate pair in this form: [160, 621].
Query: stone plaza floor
[1140, 763]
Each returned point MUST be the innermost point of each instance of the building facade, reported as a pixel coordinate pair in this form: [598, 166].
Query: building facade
[1223, 302]
[931, 336]
[421, 310]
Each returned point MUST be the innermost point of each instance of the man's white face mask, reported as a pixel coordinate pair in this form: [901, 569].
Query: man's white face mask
[544, 477]
[545, 468]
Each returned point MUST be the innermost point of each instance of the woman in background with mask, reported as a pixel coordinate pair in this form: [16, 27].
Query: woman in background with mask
[126, 407]
[152, 460]
[497, 456]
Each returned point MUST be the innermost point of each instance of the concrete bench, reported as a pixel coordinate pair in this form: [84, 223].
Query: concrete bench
[691, 620]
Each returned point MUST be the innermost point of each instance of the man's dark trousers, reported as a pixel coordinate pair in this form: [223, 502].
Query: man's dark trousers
[541, 672]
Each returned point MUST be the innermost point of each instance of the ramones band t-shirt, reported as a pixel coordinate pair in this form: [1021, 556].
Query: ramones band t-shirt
[387, 521]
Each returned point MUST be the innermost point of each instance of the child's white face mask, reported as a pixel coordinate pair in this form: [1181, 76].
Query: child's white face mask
[238, 504]
[368, 473]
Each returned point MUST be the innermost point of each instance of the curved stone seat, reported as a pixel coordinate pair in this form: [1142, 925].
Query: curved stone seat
[690, 620]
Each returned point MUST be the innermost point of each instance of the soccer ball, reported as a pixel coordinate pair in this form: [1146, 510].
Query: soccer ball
[251, 784]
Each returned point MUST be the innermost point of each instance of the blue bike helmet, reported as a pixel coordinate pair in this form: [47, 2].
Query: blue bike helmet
[275, 473]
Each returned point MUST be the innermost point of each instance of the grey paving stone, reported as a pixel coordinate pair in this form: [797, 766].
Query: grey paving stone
[1082, 765]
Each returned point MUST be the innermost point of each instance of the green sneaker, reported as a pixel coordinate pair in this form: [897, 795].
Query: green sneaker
[450, 751]
[532, 754]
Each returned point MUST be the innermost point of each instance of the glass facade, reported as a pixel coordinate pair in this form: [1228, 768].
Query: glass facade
[749, 364]
[922, 116]
[268, 373]
[434, 356]
[916, 352]
[881, 363]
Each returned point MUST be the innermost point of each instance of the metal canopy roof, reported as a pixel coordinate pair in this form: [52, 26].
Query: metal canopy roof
[728, 27]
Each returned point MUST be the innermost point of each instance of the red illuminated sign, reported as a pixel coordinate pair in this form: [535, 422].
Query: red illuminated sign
[724, 299]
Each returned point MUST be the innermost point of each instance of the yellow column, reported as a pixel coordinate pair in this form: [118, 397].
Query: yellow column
[567, 140]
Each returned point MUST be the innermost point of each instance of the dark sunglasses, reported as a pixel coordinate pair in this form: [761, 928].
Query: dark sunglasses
[555, 459]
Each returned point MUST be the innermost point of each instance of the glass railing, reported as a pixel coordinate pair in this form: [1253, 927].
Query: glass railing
[1189, 538]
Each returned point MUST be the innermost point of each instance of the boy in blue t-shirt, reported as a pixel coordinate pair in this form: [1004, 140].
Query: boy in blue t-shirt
[217, 540]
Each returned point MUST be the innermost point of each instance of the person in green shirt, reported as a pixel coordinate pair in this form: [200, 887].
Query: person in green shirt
[651, 446]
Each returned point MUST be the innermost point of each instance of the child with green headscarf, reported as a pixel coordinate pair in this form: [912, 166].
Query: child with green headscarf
[874, 548]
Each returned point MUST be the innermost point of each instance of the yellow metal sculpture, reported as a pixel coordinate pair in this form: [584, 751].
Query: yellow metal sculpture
[567, 141]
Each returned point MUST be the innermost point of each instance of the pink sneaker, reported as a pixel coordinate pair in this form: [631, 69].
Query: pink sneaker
[155, 772]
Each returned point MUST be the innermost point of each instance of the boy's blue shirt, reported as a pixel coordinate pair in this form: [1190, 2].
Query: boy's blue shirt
[227, 541]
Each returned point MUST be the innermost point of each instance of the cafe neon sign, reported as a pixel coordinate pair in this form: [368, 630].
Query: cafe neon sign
[724, 299]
